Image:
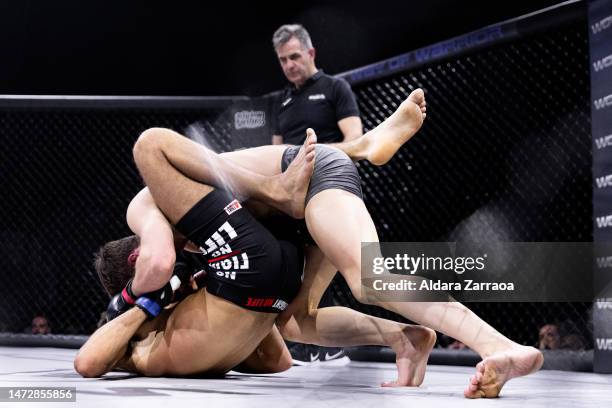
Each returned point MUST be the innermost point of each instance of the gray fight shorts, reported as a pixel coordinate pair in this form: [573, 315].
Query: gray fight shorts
[333, 170]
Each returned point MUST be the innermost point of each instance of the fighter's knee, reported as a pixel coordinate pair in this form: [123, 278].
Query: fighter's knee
[150, 139]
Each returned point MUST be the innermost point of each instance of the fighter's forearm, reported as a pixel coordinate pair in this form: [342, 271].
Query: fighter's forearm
[157, 243]
[108, 344]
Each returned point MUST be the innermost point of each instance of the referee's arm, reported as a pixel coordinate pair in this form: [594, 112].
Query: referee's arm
[351, 128]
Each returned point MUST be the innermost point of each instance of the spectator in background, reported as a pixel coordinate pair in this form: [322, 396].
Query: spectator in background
[315, 100]
[40, 325]
[457, 345]
[549, 338]
[450, 343]
[573, 342]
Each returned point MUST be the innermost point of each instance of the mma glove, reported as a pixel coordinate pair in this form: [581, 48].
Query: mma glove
[121, 302]
[153, 302]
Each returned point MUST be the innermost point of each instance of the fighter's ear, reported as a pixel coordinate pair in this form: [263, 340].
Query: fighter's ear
[133, 256]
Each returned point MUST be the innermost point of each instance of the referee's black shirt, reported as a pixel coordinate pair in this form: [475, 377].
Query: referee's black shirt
[319, 104]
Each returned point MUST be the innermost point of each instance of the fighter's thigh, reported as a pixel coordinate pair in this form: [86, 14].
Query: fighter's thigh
[264, 160]
[339, 222]
[173, 192]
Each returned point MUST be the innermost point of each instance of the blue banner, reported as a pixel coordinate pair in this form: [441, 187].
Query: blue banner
[600, 44]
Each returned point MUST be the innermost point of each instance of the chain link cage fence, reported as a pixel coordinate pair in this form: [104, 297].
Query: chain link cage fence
[505, 154]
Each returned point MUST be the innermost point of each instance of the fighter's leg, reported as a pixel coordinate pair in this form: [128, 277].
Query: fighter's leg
[285, 192]
[338, 221]
[377, 145]
[341, 326]
[173, 192]
[380, 144]
[264, 160]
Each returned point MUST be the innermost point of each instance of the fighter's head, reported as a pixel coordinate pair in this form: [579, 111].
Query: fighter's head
[295, 53]
[115, 261]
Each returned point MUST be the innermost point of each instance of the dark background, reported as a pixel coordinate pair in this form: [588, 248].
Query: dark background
[515, 166]
[212, 48]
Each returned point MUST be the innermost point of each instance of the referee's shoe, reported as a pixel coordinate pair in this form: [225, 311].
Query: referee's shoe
[333, 355]
[306, 354]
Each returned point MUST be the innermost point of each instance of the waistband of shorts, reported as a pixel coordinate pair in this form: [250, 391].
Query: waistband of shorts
[204, 211]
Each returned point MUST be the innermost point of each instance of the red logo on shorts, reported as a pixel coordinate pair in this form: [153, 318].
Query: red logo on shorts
[260, 302]
[232, 207]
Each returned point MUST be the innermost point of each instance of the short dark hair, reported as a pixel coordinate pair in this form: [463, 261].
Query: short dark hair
[114, 265]
[288, 31]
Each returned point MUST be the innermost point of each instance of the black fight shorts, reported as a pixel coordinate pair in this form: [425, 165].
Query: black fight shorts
[244, 263]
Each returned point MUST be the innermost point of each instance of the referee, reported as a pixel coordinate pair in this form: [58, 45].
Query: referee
[312, 99]
[319, 101]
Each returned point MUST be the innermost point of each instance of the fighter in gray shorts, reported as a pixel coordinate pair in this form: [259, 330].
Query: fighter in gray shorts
[333, 170]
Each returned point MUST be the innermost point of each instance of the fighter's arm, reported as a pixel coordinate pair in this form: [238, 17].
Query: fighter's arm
[157, 243]
[108, 344]
[270, 356]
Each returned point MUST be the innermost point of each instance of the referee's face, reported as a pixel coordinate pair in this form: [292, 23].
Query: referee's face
[296, 61]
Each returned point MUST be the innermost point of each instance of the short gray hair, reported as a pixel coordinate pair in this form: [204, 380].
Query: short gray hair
[287, 32]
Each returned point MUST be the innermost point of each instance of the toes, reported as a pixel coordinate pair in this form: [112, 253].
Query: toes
[417, 95]
[311, 136]
[469, 393]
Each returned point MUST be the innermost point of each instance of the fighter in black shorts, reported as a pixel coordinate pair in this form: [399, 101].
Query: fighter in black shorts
[251, 277]
[245, 263]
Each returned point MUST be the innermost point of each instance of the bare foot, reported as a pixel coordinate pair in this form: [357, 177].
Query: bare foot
[494, 371]
[294, 182]
[386, 139]
[412, 351]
